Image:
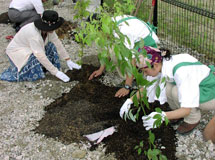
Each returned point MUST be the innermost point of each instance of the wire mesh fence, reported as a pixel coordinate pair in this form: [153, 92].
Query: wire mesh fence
[189, 24]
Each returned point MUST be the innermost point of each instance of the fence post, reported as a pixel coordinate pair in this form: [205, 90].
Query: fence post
[155, 15]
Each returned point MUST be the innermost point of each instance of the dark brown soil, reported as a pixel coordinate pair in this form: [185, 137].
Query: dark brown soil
[67, 30]
[4, 18]
[90, 107]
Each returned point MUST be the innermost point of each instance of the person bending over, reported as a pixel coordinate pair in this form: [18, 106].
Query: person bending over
[35, 49]
[22, 12]
[136, 30]
[190, 87]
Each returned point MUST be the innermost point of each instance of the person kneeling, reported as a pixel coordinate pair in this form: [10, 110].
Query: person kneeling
[190, 87]
[35, 48]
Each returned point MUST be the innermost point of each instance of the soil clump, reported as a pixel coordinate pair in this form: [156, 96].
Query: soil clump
[4, 18]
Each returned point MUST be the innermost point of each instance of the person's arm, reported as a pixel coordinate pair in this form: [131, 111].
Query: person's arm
[128, 84]
[42, 58]
[178, 113]
[37, 46]
[58, 44]
[129, 80]
[126, 89]
[209, 131]
[62, 51]
[38, 6]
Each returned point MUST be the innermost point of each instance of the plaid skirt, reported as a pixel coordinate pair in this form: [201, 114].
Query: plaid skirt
[33, 70]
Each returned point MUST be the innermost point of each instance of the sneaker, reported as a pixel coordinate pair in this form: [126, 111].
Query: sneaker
[185, 128]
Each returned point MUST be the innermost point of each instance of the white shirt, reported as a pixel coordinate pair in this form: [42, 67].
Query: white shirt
[187, 78]
[29, 40]
[23, 5]
[135, 30]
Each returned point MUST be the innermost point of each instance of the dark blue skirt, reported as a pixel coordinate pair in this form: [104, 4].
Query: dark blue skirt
[33, 70]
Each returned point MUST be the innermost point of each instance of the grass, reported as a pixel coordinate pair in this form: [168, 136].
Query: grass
[187, 28]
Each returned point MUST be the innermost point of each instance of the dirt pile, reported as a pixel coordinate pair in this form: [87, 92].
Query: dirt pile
[90, 107]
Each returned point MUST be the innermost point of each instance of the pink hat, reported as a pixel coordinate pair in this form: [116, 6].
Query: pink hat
[153, 56]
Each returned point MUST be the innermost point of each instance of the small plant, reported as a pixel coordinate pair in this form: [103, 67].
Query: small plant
[139, 147]
[153, 153]
[105, 34]
[81, 13]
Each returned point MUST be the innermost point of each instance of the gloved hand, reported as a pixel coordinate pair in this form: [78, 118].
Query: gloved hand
[148, 120]
[62, 76]
[72, 65]
[125, 107]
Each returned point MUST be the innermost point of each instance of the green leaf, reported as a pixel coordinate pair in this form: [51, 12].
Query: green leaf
[138, 111]
[162, 157]
[156, 151]
[158, 91]
[141, 144]
[151, 137]
[139, 151]
[151, 83]
[105, 29]
[136, 147]
[125, 116]
[131, 116]
[135, 101]
[116, 51]
[148, 64]
[141, 43]
[158, 110]
[145, 99]
[149, 154]
[163, 80]
[157, 116]
[133, 92]
[166, 121]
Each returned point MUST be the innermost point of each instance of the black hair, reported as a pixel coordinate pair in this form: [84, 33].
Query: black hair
[167, 55]
[94, 16]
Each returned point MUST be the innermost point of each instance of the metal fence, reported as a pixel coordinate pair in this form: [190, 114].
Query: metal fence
[189, 25]
[185, 24]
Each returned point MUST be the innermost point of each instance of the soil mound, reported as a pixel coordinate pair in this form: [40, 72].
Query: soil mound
[90, 107]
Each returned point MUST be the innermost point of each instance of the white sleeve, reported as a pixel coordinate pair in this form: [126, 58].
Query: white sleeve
[63, 54]
[39, 52]
[38, 5]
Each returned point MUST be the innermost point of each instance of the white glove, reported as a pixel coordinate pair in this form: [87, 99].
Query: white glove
[62, 76]
[148, 120]
[72, 65]
[125, 107]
